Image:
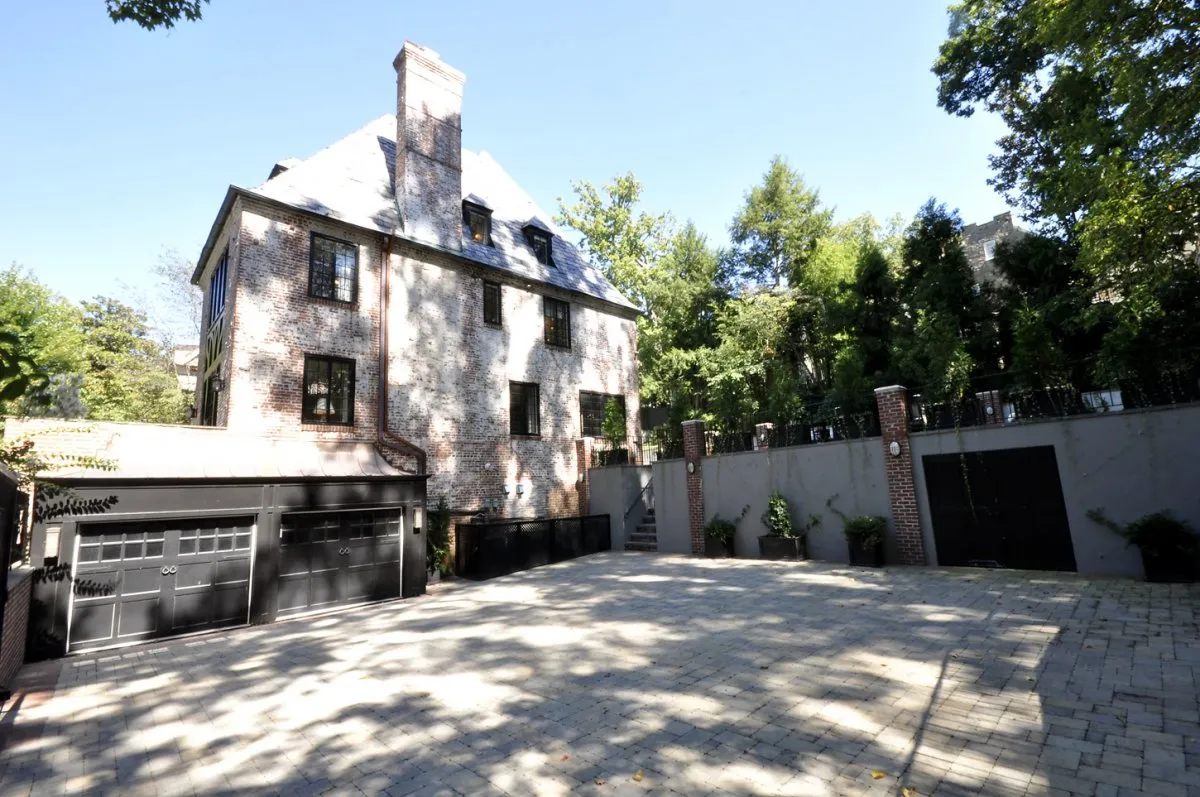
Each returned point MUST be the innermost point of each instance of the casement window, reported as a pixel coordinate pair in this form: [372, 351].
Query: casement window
[989, 249]
[491, 303]
[524, 411]
[332, 269]
[557, 319]
[328, 390]
[591, 412]
[477, 222]
[217, 287]
[540, 241]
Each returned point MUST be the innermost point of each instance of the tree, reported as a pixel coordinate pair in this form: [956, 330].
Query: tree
[866, 318]
[681, 324]
[776, 232]
[748, 374]
[44, 336]
[623, 242]
[1101, 102]
[946, 330]
[181, 300]
[129, 375]
[151, 14]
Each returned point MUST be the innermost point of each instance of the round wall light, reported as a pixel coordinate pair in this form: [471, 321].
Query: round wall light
[894, 448]
[691, 467]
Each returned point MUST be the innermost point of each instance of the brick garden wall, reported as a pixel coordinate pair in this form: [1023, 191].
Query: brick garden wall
[16, 621]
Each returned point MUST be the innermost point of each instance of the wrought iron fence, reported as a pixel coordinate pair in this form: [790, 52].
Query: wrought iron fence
[821, 422]
[496, 548]
[1000, 399]
[642, 449]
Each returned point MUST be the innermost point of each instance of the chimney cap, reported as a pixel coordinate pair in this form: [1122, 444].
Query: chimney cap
[426, 56]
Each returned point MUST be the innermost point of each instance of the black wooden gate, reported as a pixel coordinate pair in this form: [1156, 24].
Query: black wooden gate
[1000, 508]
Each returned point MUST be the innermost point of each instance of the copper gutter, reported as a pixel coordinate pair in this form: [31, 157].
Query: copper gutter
[384, 437]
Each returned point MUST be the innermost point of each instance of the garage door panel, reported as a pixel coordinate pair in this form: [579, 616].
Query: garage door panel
[94, 622]
[192, 575]
[138, 581]
[139, 618]
[293, 593]
[351, 557]
[232, 571]
[229, 605]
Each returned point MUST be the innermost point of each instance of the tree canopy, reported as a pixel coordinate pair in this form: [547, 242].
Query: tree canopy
[151, 14]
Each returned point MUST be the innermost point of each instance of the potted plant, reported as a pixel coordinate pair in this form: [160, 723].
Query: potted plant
[865, 535]
[719, 535]
[612, 428]
[781, 540]
[1169, 546]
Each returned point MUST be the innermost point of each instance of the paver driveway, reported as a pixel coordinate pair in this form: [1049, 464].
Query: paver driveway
[703, 676]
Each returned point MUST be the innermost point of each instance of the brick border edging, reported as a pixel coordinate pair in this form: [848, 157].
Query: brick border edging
[898, 469]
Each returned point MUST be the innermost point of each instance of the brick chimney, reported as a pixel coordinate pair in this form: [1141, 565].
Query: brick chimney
[429, 147]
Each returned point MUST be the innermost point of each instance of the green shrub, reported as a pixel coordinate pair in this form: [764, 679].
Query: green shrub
[437, 539]
[866, 530]
[778, 517]
[613, 424]
[720, 529]
[1161, 535]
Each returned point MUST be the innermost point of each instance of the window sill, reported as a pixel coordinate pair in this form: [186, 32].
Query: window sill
[556, 346]
[490, 325]
[310, 426]
[515, 436]
[332, 302]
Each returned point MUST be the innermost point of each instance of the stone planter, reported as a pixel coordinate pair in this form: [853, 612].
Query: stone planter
[715, 548]
[772, 547]
[865, 554]
[1169, 569]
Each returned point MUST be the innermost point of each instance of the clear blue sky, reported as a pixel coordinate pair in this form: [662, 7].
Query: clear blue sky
[116, 142]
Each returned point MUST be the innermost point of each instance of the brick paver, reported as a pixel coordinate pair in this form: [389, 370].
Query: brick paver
[696, 676]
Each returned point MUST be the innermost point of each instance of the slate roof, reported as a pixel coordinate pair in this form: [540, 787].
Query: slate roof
[155, 451]
[352, 181]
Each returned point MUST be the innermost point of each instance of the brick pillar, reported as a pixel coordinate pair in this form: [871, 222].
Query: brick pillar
[898, 466]
[693, 450]
[583, 461]
[762, 436]
[992, 406]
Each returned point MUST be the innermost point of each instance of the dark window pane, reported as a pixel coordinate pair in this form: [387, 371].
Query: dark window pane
[243, 542]
[491, 303]
[478, 221]
[154, 548]
[333, 269]
[340, 392]
[111, 552]
[591, 412]
[524, 412]
[224, 543]
[206, 544]
[133, 550]
[187, 545]
[557, 317]
[89, 553]
[328, 391]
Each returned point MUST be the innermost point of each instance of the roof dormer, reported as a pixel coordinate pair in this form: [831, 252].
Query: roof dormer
[541, 240]
[477, 220]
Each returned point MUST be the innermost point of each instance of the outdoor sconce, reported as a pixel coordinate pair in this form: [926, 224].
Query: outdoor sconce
[505, 489]
[218, 384]
[894, 448]
[691, 467]
[520, 489]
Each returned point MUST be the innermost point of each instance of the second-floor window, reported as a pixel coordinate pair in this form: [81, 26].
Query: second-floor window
[477, 221]
[557, 319]
[524, 410]
[328, 390]
[217, 287]
[592, 407]
[332, 269]
[491, 303]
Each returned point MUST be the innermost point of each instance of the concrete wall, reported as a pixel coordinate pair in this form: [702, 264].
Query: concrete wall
[671, 506]
[612, 490]
[1126, 463]
[850, 473]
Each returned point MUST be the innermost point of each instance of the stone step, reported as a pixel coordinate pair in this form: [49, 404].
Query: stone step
[641, 546]
[650, 512]
[639, 536]
[647, 528]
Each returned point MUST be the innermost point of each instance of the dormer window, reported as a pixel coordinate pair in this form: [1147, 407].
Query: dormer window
[540, 239]
[477, 222]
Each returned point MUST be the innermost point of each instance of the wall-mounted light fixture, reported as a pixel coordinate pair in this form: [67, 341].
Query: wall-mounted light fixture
[218, 384]
[894, 448]
[505, 489]
[520, 489]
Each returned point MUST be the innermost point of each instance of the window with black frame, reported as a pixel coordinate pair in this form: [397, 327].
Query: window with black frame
[591, 411]
[491, 303]
[208, 402]
[524, 416]
[477, 221]
[328, 391]
[332, 269]
[557, 317]
[217, 287]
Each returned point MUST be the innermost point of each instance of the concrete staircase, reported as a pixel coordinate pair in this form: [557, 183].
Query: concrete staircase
[645, 536]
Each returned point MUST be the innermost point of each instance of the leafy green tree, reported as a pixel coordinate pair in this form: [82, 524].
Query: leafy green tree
[1101, 102]
[623, 241]
[151, 14]
[129, 375]
[776, 232]
[866, 319]
[45, 330]
[681, 324]
[946, 330]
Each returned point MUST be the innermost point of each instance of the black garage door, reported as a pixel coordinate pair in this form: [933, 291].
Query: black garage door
[334, 558]
[999, 508]
[140, 580]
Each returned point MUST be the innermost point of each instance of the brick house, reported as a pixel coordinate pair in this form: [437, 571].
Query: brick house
[980, 240]
[482, 352]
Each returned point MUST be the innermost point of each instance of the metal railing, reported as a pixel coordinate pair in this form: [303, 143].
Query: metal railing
[642, 449]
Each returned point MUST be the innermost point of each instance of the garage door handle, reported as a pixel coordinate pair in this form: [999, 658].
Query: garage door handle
[166, 571]
[344, 551]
